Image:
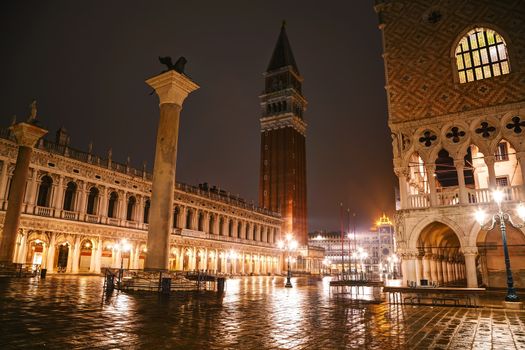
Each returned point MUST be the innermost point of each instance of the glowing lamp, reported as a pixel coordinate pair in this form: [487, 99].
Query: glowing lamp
[498, 196]
[480, 216]
[521, 211]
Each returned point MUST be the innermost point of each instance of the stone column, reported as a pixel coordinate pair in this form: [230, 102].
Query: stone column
[92, 258]
[50, 259]
[31, 192]
[426, 267]
[98, 256]
[489, 161]
[419, 269]
[433, 268]
[444, 264]
[520, 156]
[439, 270]
[76, 256]
[402, 174]
[81, 199]
[58, 195]
[460, 169]
[3, 181]
[450, 271]
[172, 89]
[431, 171]
[26, 135]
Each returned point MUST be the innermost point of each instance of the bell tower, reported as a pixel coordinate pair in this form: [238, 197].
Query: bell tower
[282, 182]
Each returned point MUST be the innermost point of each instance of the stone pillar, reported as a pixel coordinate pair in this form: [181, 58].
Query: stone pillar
[444, 269]
[26, 135]
[419, 268]
[172, 89]
[81, 199]
[31, 192]
[98, 256]
[58, 195]
[431, 171]
[426, 267]
[489, 161]
[439, 270]
[4, 176]
[450, 271]
[402, 174]
[50, 259]
[76, 256]
[408, 265]
[520, 156]
[433, 268]
[93, 258]
[460, 169]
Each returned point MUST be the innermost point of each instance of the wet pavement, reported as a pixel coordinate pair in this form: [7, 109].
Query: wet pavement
[69, 312]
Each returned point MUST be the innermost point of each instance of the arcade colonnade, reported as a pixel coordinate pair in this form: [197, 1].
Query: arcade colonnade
[58, 252]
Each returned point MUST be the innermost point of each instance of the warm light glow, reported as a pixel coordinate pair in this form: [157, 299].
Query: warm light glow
[293, 244]
[498, 196]
[280, 244]
[383, 220]
[319, 237]
[521, 211]
[125, 246]
[145, 249]
[37, 241]
[480, 216]
[289, 236]
[87, 245]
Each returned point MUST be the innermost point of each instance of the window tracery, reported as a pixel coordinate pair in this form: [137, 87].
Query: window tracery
[480, 54]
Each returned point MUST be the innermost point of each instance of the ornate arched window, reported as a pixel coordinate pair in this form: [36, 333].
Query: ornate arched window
[69, 196]
[44, 192]
[480, 54]
[130, 208]
[112, 205]
[92, 200]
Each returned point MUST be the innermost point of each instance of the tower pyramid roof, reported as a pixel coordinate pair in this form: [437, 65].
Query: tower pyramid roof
[282, 53]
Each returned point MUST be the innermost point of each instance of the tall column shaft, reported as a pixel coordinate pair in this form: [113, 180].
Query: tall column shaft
[460, 169]
[15, 201]
[163, 186]
[172, 89]
[26, 135]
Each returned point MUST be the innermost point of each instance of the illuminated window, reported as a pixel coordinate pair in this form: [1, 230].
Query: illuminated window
[481, 54]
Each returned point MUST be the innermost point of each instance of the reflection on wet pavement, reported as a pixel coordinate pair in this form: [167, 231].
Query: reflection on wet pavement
[254, 313]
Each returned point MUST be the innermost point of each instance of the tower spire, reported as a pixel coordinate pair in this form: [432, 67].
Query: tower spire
[282, 53]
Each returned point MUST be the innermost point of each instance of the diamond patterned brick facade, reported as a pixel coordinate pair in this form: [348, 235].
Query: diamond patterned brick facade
[419, 42]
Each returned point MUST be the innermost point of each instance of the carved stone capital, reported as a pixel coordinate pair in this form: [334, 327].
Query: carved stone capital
[469, 250]
[401, 172]
[27, 134]
[172, 87]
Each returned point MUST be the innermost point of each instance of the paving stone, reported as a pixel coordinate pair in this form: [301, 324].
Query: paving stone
[73, 312]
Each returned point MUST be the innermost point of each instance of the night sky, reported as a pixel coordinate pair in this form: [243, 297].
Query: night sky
[86, 61]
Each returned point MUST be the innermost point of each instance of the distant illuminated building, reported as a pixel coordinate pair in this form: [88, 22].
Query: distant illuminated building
[370, 251]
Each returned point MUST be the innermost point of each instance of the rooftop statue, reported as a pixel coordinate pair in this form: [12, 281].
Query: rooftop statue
[31, 118]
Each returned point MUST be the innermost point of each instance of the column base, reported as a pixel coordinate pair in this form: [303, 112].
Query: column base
[513, 305]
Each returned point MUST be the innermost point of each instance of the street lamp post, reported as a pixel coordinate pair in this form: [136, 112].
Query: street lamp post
[289, 245]
[502, 217]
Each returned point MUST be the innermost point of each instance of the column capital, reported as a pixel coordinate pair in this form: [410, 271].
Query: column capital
[489, 159]
[27, 134]
[430, 168]
[520, 155]
[469, 251]
[172, 87]
[401, 171]
[459, 163]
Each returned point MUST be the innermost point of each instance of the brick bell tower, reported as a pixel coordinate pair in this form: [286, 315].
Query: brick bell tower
[282, 183]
